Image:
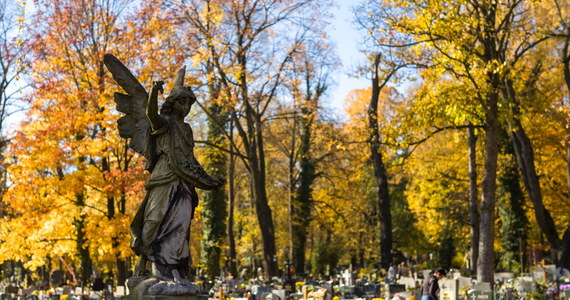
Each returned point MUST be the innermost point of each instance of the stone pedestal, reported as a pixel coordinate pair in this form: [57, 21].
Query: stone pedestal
[146, 297]
[151, 288]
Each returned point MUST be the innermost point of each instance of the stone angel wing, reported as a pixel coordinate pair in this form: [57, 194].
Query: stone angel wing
[134, 124]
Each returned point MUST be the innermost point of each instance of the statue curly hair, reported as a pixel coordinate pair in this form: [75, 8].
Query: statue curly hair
[177, 93]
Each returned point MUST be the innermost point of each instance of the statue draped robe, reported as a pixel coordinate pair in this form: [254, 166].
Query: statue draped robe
[161, 227]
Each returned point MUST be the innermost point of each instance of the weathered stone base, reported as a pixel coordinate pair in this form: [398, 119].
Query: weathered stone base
[144, 286]
[146, 297]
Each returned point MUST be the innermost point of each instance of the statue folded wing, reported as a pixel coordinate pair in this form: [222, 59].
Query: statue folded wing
[134, 124]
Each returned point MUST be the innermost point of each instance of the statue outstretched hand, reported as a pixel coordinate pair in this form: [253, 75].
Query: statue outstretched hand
[158, 85]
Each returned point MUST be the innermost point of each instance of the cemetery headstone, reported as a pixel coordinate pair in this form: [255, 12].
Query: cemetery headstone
[120, 291]
[347, 277]
[347, 291]
[279, 293]
[504, 276]
[448, 289]
[538, 275]
[409, 282]
[260, 291]
[479, 295]
[371, 290]
[392, 289]
[480, 291]
[524, 284]
[482, 286]
[268, 296]
[405, 295]
[425, 273]
[463, 282]
[453, 273]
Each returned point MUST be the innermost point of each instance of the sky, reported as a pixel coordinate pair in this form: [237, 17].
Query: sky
[347, 39]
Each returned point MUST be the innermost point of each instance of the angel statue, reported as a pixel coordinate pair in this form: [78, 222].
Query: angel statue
[161, 227]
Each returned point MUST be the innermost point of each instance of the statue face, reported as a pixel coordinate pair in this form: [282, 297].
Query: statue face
[182, 106]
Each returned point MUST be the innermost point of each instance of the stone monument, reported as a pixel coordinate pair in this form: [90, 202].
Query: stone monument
[161, 227]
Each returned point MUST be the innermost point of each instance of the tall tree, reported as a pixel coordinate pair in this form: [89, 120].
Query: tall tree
[250, 60]
[561, 32]
[514, 224]
[380, 173]
[384, 64]
[214, 213]
[12, 55]
[451, 33]
[309, 79]
[81, 165]
[473, 199]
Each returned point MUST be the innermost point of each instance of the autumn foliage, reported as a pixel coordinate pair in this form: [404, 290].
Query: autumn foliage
[301, 179]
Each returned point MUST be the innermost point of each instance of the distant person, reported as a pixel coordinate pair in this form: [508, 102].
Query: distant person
[430, 288]
[391, 273]
[403, 271]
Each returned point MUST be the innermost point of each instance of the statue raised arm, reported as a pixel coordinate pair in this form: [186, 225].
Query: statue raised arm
[160, 229]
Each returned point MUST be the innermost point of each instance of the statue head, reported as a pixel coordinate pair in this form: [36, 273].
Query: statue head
[181, 97]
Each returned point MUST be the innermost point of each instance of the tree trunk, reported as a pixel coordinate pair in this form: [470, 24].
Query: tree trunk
[473, 199]
[214, 202]
[380, 173]
[122, 266]
[265, 221]
[253, 144]
[81, 242]
[303, 200]
[264, 215]
[292, 191]
[231, 207]
[486, 259]
[514, 224]
[525, 158]
[566, 71]
[565, 255]
[256, 166]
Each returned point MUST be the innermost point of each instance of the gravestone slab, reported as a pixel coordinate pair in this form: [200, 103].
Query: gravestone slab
[482, 286]
[392, 289]
[479, 295]
[504, 275]
[480, 291]
[347, 290]
[538, 275]
[279, 293]
[371, 290]
[524, 284]
[120, 291]
[347, 277]
[406, 295]
[453, 273]
[448, 289]
[260, 290]
[425, 273]
[463, 282]
[409, 282]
